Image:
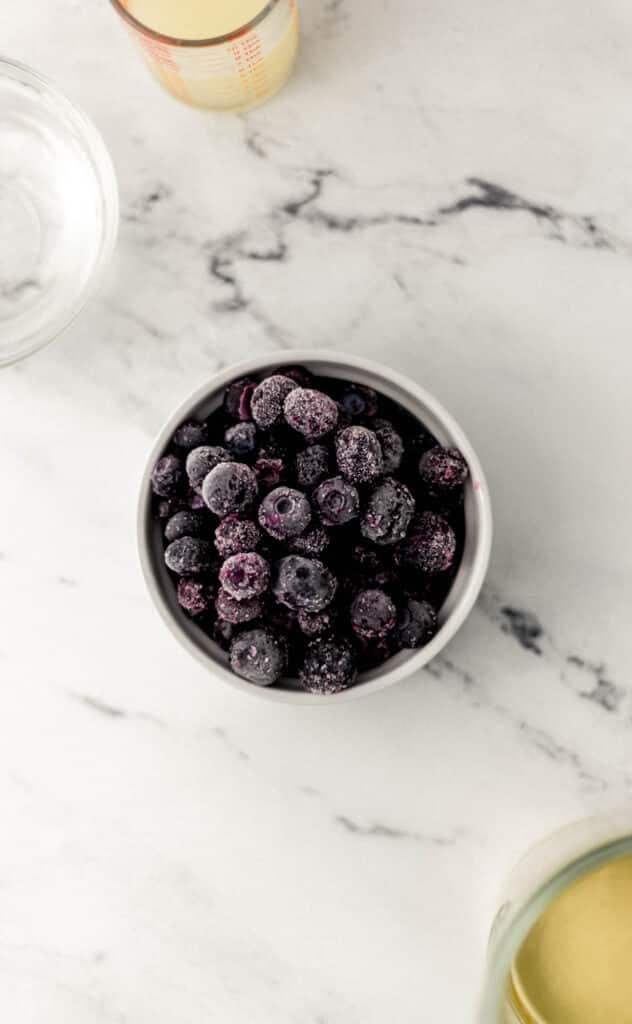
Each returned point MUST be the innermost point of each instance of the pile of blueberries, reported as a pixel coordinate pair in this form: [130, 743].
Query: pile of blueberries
[312, 527]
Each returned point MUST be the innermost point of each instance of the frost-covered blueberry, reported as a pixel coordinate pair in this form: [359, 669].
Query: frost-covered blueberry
[358, 401]
[223, 633]
[266, 403]
[236, 612]
[312, 465]
[430, 545]
[375, 651]
[311, 543]
[195, 596]
[391, 444]
[337, 501]
[167, 507]
[359, 454]
[229, 487]
[317, 623]
[329, 665]
[281, 618]
[233, 535]
[443, 469]
[372, 614]
[187, 523]
[258, 656]
[190, 435]
[195, 501]
[284, 513]
[416, 623]
[168, 478]
[245, 575]
[237, 398]
[311, 413]
[201, 461]
[188, 556]
[304, 583]
[388, 512]
[269, 471]
[241, 439]
[299, 374]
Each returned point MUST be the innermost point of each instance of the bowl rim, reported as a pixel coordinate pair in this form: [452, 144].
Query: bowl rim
[95, 152]
[475, 574]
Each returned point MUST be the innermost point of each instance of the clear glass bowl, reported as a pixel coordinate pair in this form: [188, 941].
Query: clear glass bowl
[540, 877]
[58, 211]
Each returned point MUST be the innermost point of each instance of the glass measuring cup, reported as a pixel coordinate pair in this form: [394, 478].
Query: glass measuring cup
[546, 871]
[235, 70]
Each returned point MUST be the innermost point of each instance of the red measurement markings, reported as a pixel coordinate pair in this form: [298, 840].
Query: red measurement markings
[248, 57]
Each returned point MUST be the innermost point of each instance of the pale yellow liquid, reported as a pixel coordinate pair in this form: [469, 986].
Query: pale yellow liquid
[195, 19]
[234, 75]
[575, 966]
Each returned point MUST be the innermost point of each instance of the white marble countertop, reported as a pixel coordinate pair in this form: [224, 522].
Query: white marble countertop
[445, 186]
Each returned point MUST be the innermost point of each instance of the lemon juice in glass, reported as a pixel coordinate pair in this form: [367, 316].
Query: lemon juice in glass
[216, 54]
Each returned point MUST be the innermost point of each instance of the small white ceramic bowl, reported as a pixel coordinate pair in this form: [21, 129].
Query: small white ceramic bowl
[478, 522]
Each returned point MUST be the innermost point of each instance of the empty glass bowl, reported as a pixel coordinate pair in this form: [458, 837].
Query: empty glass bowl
[58, 211]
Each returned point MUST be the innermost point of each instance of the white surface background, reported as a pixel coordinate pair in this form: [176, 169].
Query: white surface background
[173, 852]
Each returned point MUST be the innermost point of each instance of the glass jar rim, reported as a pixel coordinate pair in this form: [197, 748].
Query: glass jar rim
[515, 928]
[161, 37]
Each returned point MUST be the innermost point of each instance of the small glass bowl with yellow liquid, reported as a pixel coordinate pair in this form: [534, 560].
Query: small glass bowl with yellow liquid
[226, 55]
[561, 945]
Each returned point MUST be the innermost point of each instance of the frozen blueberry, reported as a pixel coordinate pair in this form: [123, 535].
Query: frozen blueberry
[234, 535]
[443, 469]
[223, 633]
[312, 542]
[187, 523]
[237, 398]
[374, 652]
[269, 471]
[236, 612]
[337, 501]
[168, 478]
[388, 512]
[316, 623]
[284, 513]
[258, 656]
[281, 618]
[195, 596]
[241, 439]
[312, 465]
[416, 623]
[359, 454]
[167, 507]
[430, 545]
[229, 487]
[245, 575]
[304, 583]
[329, 665]
[311, 413]
[391, 443]
[196, 501]
[372, 614]
[190, 435]
[358, 401]
[266, 403]
[201, 461]
[299, 374]
[189, 556]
